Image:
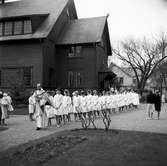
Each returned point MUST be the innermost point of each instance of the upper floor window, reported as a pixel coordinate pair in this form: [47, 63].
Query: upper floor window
[8, 28]
[75, 51]
[27, 26]
[20, 27]
[1, 28]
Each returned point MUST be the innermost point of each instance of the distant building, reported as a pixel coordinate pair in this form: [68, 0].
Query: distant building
[125, 76]
[44, 41]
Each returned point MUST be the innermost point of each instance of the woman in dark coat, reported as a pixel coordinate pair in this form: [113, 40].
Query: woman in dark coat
[157, 102]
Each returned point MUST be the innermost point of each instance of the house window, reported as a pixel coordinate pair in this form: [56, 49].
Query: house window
[8, 28]
[18, 27]
[16, 76]
[75, 51]
[27, 26]
[70, 79]
[78, 79]
[1, 28]
[134, 80]
[71, 52]
[78, 50]
[121, 80]
[27, 76]
[74, 79]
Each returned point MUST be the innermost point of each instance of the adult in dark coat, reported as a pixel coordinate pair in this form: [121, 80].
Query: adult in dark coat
[157, 103]
[1, 95]
[150, 104]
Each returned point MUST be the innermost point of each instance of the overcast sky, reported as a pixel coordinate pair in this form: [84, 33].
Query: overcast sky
[128, 18]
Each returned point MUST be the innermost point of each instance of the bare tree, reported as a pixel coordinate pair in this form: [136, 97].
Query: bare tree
[162, 68]
[143, 57]
[159, 76]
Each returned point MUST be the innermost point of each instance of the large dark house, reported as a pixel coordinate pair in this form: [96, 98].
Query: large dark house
[44, 41]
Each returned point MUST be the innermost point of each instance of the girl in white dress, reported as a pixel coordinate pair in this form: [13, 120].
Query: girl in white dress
[95, 103]
[89, 101]
[58, 98]
[49, 107]
[76, 104]
[83, 104]
[66, 105]
[31, 106]
[10, 107]
[2, 122]
[99, 104]
[4, 109]
[103, 101]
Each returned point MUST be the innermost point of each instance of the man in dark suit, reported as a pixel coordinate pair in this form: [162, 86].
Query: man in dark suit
[150, 104]
[157, 103]
[1, 95]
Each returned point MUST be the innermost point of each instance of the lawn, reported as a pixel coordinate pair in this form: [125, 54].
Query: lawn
[94, 148]
[116, 148]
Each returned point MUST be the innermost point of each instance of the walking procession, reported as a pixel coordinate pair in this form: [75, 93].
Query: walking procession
[47, 105]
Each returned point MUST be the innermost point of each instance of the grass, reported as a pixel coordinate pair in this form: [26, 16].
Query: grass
[94, 148]
[120, 148]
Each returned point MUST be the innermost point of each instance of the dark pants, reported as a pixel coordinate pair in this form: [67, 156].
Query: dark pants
[0, 114]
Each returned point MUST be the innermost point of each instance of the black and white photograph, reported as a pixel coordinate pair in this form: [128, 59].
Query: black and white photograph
[83, 83]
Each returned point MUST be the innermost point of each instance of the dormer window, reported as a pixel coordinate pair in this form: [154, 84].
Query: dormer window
[16, 27]
[8, 28]
[27, 26]
[1, 28]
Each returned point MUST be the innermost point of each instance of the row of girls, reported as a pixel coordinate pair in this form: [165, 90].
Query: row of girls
[62, 106]
[5, 107]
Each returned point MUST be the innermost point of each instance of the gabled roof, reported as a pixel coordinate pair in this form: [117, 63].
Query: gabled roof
[31, 8]
[125, 70]
[86, 30]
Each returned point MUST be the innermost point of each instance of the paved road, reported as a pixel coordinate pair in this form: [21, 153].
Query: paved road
[136, 120]
[21, 130]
